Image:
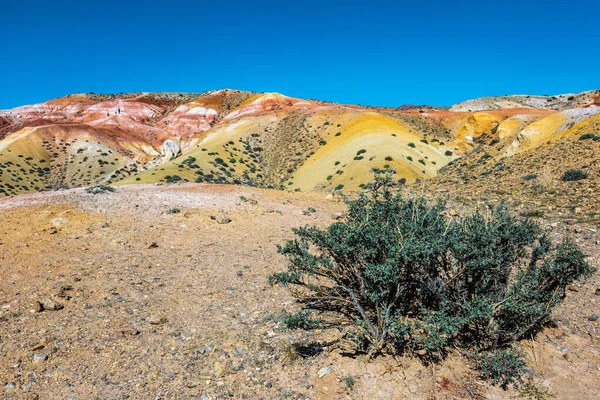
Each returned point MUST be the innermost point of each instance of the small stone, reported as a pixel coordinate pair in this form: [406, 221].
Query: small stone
[572, 288]
[40, 357]
[156, 320]
[11, 385]
[597, 293]
[453, 213]
[152, 245]
[222, 218]
[593, 318]
[38, 307]
[204, 397]
[578, 210]
[51, 304]
[218, 369]
[324, 371]
[269, 385]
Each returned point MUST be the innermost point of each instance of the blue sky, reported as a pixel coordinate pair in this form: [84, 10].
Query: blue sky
[364, 52]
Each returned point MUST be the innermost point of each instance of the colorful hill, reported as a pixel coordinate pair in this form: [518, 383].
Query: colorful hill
[263, 139]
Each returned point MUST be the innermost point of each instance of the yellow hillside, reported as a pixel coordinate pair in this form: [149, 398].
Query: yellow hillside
[370, 140]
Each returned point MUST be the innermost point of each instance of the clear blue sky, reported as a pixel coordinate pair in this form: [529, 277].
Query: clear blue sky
[365, 52]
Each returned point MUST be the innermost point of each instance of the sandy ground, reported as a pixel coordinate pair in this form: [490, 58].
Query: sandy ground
[177, 306]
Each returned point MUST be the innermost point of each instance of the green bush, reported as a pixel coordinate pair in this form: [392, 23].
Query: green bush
[502, 367]
[172, 178]
[98, 189]
[574, 175]
[528, 177]
[303, 319]
[411, 144]
[448, 153]
[406, 279]
[587, 136]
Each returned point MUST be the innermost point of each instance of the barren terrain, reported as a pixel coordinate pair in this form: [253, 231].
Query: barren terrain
[164, 304]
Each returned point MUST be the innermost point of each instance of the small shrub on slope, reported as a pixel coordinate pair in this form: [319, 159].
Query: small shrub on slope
[303, 319]
[98, 189]
[574, 175]
[409, 280]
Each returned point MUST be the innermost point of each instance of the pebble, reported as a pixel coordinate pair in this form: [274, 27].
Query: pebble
[597, 292]
[51, 304]
[593, 317]
[40, 357]
[324, 371]
[222, 218]
[38, 307]
[218, 369]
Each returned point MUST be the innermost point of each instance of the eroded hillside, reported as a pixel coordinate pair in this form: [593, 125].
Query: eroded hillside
[261, 139]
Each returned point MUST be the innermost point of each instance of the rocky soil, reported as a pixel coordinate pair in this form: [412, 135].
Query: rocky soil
[141, 294]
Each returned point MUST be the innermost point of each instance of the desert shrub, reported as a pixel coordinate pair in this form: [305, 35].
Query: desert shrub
[98, 189]
[411, 144]
[302, 319]
[407, 279]
[587, 136]
[528, 177]
[349, 381]
[172, 178]
[574, 175]
[494, 141]
[532, 213]
[502, 367]
[448, 153]
[173, 210]
[389, 158]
